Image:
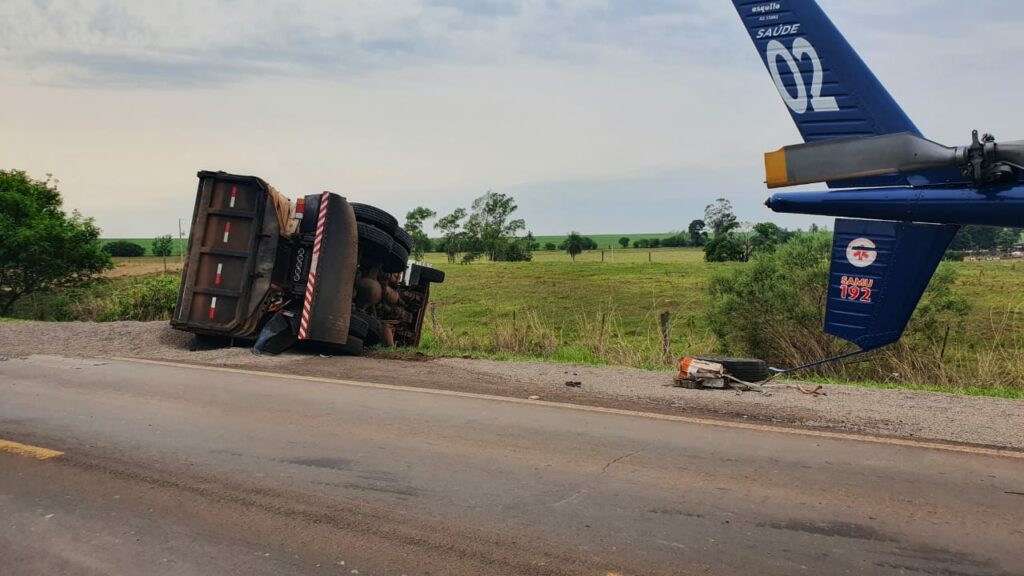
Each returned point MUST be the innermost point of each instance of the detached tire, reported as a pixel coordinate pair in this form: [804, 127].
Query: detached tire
[397, 259]
[373, 240]
[404, 238]
[746, 369]
[375, 216]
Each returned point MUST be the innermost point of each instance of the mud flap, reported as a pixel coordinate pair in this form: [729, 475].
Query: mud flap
[279, 333]
[879, 271]
[327, 298]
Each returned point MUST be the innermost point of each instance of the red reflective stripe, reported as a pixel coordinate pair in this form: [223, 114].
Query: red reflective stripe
[220, 267]
[227, 231]
[234, 193]
[213, 307]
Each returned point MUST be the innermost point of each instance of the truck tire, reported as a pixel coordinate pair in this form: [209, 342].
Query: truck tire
[396, 259]
[375, 216]
[373, 240]
[404, 238]
[352, 347]
[746, 369]
[357, 326]
[373, 329]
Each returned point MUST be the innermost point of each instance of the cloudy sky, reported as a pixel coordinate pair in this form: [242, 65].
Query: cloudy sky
[598, 115]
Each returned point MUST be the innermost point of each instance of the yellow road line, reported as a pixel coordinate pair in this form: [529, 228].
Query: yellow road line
[959, 448]
[28, 451]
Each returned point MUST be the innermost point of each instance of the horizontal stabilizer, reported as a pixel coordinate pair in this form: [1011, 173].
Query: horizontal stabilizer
[879, 271]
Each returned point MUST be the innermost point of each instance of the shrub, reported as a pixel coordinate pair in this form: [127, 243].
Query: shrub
[774, 308]
[141, 298]
[124, 249]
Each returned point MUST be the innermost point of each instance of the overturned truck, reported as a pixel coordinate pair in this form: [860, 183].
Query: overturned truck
[263, 270]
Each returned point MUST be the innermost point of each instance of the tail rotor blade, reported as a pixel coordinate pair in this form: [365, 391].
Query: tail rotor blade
[850, 158]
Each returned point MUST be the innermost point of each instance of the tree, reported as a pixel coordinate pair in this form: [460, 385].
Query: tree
[725, 248]
[124, 249]
[1007, 239]
[414, 226]
[698, 233]
[162, 246]
[488, 228]
[677, 240]
[573, 244]
[451, 227]
[766, 236]
[550, 246]
[719, 217]
[977, 238]
[624, 242]
[41, 247]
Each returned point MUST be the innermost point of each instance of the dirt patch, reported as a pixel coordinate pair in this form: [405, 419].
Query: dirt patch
[143, 267]
[922, 415]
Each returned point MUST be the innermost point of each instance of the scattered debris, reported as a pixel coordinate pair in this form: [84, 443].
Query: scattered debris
[534, 398]
[701, 373]
[573, 383]
[696, 374]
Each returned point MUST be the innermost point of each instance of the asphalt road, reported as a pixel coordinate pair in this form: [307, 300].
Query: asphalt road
[175, 470]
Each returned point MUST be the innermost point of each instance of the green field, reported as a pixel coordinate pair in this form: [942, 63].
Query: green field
[604, 241]
[147, 243]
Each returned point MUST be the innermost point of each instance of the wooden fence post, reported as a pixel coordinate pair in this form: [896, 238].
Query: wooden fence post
[666, 340]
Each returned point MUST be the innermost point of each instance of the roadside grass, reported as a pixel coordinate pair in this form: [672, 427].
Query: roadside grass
[1008, 393]
[139, 298]
[607, 313]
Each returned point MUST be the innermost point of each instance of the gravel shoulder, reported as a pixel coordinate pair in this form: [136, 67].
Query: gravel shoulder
[922, 415]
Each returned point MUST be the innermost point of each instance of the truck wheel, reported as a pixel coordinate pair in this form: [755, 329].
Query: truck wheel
[373, 240]
[375, 216]
[396, 259]
[352, 347]
[746, 369]
[373, 329]
[357, 326]
[404, 238]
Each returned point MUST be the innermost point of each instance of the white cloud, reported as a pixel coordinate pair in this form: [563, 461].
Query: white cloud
[601, 115]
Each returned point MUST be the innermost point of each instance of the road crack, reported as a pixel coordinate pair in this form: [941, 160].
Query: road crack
[619, 459]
